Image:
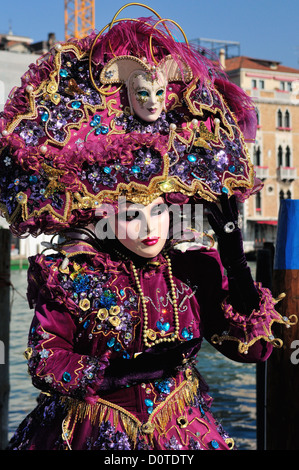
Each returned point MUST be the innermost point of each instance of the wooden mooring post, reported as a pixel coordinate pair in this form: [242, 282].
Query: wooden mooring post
[5, 241]
[264, 274]
[282, 382]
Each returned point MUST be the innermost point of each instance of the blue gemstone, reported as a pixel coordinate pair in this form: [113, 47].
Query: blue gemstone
[126, 355]
[117, 347]
[63, 73]
[104, 129]
[224, 190]
[136, 169]
[111, 342]
[66, 377]
[107, 170]
[192, 158]
[232, 168]
[85, 324]
[95, 120]
[150, 410]
[214, 444]
[148, 402]
[162, 326]
[186, 334]
[33, 179]
[98, 131]
[122, 292]
[45, 116]
[163, 386]
[76, 104]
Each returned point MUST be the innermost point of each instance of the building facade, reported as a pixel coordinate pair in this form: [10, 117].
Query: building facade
[275, 152]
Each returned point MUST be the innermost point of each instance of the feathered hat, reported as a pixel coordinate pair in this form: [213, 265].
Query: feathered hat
[71, 140]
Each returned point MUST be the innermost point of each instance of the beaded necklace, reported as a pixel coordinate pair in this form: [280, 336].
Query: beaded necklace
[148, 333]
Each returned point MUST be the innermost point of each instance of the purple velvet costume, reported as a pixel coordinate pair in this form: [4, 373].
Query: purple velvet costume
[89, 315]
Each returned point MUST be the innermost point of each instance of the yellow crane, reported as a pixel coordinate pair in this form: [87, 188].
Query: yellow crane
[79, 18]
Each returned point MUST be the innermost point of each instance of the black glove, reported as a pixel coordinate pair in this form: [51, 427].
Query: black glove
[230, 242]
[225, 225]
[154, 363]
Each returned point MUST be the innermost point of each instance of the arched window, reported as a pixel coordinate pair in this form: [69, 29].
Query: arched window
[257, 156]
[258, 117]
[287, 121]
[289, 194]
[279, 156]
[258, 202]
[288, 157]
[281, 195]
[279, 118]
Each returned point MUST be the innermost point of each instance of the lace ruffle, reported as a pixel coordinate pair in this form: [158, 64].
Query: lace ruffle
[246, 330]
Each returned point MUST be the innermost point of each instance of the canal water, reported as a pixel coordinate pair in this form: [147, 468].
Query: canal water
[232, 385]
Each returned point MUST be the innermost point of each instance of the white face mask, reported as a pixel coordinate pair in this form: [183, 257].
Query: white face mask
[147, 95]
[143, 229]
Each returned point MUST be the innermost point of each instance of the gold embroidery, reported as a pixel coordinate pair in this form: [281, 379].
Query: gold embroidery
[115, 321]
[84, 304]
[102, 314]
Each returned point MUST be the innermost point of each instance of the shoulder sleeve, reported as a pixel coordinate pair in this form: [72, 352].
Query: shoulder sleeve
[52, 361]
[245, 338]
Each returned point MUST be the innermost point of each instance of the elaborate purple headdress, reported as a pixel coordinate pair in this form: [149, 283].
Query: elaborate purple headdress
[70, 140]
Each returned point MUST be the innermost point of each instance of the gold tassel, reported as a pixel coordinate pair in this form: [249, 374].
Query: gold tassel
[101, 411]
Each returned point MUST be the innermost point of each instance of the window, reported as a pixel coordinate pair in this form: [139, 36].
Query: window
[285, 86]
[280, 156]
[258, 119]
[287, 119]
[283, 120]
[285, 194]
[257, 156]
[284, 157]
[261, 84]
[282, 86]
[288, 156]
[253, 83]
[258, 202]
[270, 190]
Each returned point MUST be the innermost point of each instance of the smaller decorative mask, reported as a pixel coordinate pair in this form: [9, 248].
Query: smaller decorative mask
[146, 93]
[146, 84]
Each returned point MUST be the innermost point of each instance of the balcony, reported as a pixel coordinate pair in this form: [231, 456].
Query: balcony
[286, 173]
[262, 172]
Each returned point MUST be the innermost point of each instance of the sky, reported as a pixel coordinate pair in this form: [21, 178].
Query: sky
[265, 29]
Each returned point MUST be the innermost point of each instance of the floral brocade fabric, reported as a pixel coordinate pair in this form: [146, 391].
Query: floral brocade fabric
[88, 314]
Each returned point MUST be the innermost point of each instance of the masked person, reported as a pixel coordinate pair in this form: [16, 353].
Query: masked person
[102, 140]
